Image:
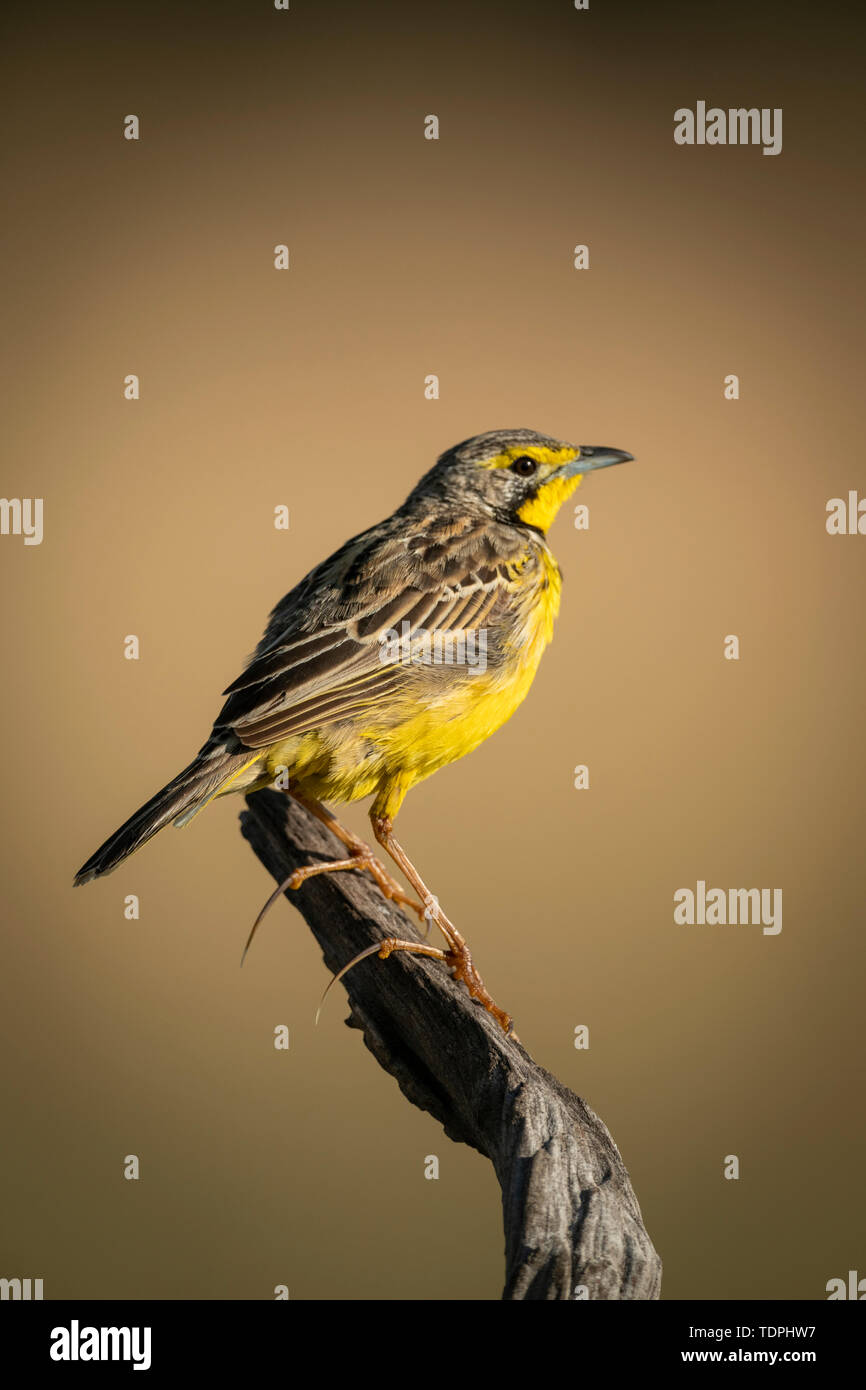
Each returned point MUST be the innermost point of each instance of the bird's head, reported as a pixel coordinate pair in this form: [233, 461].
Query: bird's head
[516, 476]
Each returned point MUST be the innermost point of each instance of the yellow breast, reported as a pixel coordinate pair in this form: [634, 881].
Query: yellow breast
[453, 722]
[435, 722]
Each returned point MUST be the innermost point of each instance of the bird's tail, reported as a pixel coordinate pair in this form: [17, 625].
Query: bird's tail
[208, 774]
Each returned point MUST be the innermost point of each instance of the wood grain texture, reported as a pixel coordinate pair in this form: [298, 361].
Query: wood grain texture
[570, 1214]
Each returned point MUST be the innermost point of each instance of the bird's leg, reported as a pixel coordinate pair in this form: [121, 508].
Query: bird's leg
[457, 956]
[362, 858]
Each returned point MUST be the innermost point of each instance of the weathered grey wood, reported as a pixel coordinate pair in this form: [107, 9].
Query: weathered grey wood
[571, 1216]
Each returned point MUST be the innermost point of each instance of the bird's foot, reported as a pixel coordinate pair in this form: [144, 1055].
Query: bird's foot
[462, 969]
[459, 962]
[361, 858]
[382, 949]
[457, 955]
[459, 958]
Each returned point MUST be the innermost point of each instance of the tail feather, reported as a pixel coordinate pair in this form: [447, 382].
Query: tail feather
[178, 801]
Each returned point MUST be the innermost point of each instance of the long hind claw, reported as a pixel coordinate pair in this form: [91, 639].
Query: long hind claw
[286, 883]
[294, 880]
[364, 859]
[382, 949]
[459, 962]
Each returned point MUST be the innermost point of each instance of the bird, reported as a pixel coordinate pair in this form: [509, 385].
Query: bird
[402, 652]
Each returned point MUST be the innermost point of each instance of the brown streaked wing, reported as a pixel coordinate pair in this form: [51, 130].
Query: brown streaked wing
[305, 680]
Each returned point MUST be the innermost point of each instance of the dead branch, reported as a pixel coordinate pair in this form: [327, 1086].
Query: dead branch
[572, 1221]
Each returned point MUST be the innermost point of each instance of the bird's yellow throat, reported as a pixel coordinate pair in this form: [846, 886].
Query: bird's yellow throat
[541, 509]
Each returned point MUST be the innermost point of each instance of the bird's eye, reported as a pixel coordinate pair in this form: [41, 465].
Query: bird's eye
[524, 466]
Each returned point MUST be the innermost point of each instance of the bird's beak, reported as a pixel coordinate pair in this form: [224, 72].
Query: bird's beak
[593, 456]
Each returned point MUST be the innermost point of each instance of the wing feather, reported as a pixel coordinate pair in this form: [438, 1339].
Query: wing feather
[320, 661]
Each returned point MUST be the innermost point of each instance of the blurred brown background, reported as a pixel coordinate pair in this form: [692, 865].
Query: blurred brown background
[411, 257]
